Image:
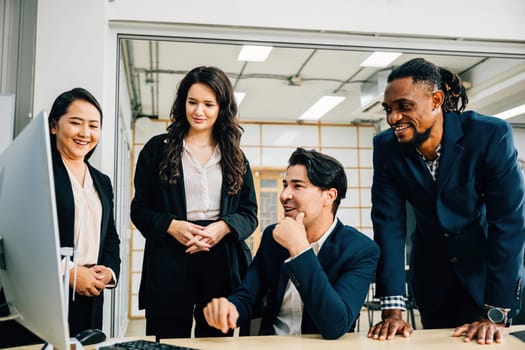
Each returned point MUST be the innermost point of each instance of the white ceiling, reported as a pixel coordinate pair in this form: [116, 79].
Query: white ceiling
[154, 68]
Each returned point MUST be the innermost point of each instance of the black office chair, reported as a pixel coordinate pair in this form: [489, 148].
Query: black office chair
[410, 302]
[372, 304]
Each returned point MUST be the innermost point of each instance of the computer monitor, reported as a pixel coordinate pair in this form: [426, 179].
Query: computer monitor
[30, 268]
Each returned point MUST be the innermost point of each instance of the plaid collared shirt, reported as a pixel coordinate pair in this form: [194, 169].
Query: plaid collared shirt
[393, 302]
[432, 165]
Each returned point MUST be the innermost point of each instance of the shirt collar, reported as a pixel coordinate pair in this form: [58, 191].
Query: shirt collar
[438, 153]
[317, 245]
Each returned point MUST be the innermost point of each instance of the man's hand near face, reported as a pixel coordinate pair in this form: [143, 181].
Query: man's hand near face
[291, 234]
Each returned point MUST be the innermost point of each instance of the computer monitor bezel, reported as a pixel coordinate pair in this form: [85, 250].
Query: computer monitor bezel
[32, 280]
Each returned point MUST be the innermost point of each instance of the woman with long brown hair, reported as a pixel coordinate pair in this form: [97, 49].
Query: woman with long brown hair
[195, 204]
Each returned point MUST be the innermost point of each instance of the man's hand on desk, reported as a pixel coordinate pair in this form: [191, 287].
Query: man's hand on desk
[221, 314]
[391, 325]
[485, 331]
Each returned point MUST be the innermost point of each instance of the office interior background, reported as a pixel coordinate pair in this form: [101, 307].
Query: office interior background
[131, 54]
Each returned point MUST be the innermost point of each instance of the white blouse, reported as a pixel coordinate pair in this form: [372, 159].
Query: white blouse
[203, 185]
[88, 218]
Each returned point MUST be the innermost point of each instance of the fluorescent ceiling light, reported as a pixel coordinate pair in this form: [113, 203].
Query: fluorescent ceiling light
[380, 59]
[321, 107]
[254, 53]
[498, 87]
[239, 96]
[511, 112]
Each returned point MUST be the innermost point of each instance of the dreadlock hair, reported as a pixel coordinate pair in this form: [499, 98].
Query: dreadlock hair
[226, 130]
[431, 77]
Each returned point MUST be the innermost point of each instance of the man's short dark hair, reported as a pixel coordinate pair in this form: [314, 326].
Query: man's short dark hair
[323, 171]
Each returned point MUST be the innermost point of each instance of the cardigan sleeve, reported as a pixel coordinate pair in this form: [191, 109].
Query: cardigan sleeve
[146, 212]
[242, 218]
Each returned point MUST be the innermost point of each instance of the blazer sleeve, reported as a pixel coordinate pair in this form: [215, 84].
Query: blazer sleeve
[146, 212]
[389, 221]
[504, 197]
[111, 247]
[243, 219]
[334, 307]
[253, 287]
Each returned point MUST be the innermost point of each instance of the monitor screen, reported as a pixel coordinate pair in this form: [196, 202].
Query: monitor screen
[30, 268]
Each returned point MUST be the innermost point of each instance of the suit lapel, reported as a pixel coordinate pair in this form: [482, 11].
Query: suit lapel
[65, 202]
[105, 202]
[450, 149]
[416, 168]
[328, 250]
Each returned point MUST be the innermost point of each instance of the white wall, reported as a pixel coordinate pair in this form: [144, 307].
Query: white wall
[70, 52]
[501, 19]
[76, 46]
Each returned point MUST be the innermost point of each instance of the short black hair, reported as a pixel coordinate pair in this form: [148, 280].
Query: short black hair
[323, 171]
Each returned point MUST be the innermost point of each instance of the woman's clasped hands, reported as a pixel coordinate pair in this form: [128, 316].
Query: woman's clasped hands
[198, 238]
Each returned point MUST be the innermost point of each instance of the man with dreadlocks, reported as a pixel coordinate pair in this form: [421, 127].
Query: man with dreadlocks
[459, 172]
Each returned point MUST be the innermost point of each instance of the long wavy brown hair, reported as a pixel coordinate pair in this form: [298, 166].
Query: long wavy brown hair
[226, 130]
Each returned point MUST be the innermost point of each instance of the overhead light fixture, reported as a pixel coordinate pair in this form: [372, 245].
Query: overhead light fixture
[239, 97]
[321, 107]
[380, 59]
[511, 112]
[254, 53]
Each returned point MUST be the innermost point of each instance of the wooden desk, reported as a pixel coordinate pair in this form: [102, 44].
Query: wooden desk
[431, 339]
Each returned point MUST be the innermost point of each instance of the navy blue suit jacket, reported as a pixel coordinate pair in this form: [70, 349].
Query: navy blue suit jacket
[332, 285]
[471, 219]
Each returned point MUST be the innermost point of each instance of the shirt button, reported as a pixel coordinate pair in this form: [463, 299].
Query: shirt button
[453, 260]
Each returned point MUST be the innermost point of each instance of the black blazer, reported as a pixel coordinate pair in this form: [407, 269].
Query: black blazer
[109, 240]
[472, 218]
[153, 207]
[333, 285]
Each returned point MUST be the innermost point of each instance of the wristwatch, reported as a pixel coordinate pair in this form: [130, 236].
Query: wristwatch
[496, 315]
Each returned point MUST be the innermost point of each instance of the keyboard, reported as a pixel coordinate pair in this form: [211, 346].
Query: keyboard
[143, 345]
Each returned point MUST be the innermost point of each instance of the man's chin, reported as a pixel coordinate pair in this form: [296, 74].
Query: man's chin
[290, 214]
[416, 140]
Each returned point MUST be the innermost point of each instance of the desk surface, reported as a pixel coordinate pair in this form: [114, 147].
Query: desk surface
[430, 339]
[438, 339]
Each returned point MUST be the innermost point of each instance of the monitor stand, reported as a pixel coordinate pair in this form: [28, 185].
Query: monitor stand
[67, 252]
[74, 344]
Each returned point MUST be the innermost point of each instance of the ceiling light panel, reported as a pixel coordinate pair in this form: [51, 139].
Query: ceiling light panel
[239, 96]
[380, 59]
[511, 112]
[253, 53]
[321, 107]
